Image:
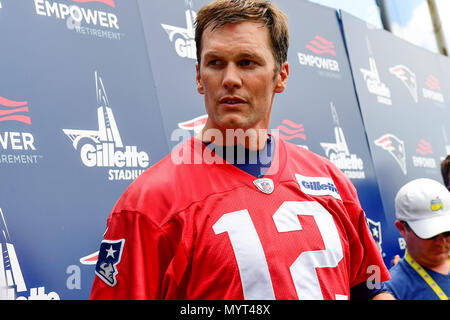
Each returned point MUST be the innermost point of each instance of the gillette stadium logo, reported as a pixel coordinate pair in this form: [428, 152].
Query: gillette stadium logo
[12, 282]
[320, 56]
[17, 146]
[374, 84]
[338, 153]
[87, 21]
[183, 38]
[103, 148]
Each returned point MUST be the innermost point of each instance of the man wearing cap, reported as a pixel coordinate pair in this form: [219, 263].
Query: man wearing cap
[422, 209]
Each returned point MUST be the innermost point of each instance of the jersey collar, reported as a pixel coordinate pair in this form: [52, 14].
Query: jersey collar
[273, 173]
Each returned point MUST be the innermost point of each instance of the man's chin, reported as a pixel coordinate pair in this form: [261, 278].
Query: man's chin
[233, 123]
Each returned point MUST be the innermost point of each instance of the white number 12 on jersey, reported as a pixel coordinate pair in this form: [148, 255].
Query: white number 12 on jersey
[251, 260]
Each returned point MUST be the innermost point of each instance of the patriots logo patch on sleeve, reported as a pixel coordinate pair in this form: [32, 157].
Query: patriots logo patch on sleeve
[109, 257]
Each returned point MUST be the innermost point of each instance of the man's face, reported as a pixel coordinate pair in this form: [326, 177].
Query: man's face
[238, 76]
[448, 177]
[427, 252]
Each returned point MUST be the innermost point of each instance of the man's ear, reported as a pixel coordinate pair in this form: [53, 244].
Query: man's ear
[401, 227]
[200, 88]
[282, 77]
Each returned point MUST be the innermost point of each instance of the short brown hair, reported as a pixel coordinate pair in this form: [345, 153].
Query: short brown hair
[445, 169]
[221, 12]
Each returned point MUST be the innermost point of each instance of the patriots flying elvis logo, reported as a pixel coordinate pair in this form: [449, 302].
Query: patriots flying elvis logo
[395, 147]
[408, 78]
[109, 257]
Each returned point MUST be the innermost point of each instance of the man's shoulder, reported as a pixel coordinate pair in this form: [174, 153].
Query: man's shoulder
[297, 152]
[407, 284]
[402, 276]
[162, 187]
[172, 184]
[300, 160]
[312, 164]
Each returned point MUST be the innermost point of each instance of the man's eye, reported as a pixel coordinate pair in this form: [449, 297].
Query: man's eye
[246, 63]
[214, 62]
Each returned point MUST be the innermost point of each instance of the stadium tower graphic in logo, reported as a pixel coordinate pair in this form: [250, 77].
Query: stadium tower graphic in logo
[424, 159]
[374, 84]
[320, 51]
[184, 38]
[338, 152]
[408, 78]
[395, 147]
[104, 147]
[12, 283]
[433, 89]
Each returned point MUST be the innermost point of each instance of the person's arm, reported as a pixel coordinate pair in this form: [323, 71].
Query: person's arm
[362, 292]
[384, 296]
[133, 259]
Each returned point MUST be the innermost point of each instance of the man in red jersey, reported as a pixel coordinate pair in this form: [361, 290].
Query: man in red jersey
[273, 221]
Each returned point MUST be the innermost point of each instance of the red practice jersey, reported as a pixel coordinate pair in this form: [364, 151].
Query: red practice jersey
[212, 231]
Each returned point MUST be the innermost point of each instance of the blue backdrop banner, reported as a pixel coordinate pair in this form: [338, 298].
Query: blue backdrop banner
[95, 92]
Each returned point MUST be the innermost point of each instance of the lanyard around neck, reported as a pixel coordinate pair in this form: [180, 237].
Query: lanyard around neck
[425, 276]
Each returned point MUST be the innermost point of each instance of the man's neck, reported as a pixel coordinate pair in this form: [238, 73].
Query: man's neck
[252, 139]
[443, 267]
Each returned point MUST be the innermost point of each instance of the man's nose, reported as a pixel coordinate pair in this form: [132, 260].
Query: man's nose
[231, 77]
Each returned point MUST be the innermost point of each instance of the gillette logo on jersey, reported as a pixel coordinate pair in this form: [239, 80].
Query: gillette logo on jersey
[318, 186]
[319, 55]
[104, 147]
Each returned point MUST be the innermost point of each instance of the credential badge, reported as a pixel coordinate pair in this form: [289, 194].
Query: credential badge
[264, 185]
